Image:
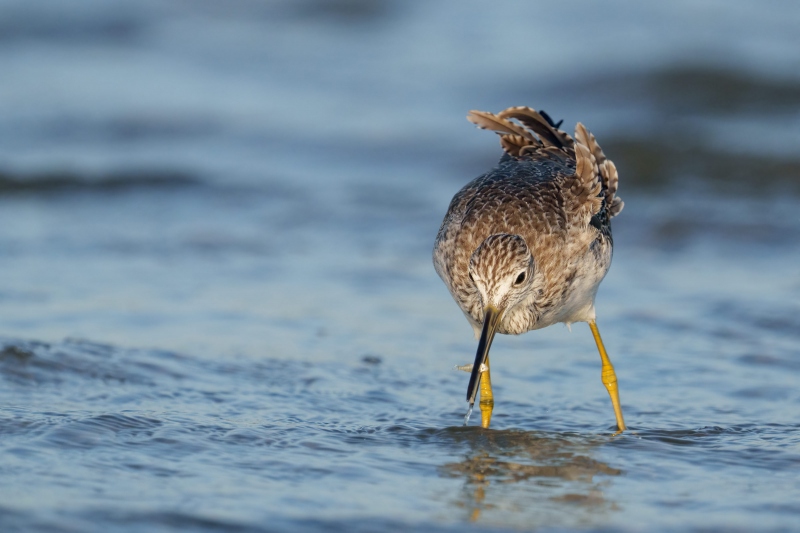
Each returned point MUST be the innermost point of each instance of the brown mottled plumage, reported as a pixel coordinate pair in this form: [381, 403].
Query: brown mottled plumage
[530, 238]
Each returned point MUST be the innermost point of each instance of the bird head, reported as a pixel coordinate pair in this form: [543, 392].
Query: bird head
[502, 270]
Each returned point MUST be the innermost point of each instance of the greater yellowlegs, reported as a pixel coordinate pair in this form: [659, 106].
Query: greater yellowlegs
[526, 245]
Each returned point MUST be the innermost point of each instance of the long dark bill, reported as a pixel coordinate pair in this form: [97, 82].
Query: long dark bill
[490, 323]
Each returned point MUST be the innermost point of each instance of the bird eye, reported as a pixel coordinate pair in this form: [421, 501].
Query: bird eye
[520, 278]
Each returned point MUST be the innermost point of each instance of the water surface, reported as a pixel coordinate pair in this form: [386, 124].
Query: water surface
[218, 310]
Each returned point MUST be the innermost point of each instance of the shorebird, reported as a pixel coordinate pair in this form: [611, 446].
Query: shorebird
[526, 245]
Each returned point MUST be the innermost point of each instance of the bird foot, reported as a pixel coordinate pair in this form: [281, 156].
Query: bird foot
[468, 368]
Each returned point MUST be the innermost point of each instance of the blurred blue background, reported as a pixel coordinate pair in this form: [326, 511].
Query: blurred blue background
[216, 221]
[142, 141]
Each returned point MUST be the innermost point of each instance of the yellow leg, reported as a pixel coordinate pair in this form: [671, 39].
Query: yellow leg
[487, 398]
[608, 376]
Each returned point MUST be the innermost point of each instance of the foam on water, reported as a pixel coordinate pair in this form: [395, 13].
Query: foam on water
[469, 414]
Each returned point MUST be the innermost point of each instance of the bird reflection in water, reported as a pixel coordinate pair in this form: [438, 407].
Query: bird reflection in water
[532, 478]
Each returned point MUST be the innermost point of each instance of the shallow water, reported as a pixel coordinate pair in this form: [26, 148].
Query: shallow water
[217, 305]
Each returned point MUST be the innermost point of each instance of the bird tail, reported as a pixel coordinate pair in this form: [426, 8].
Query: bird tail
[607, 169]
[536, 133]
